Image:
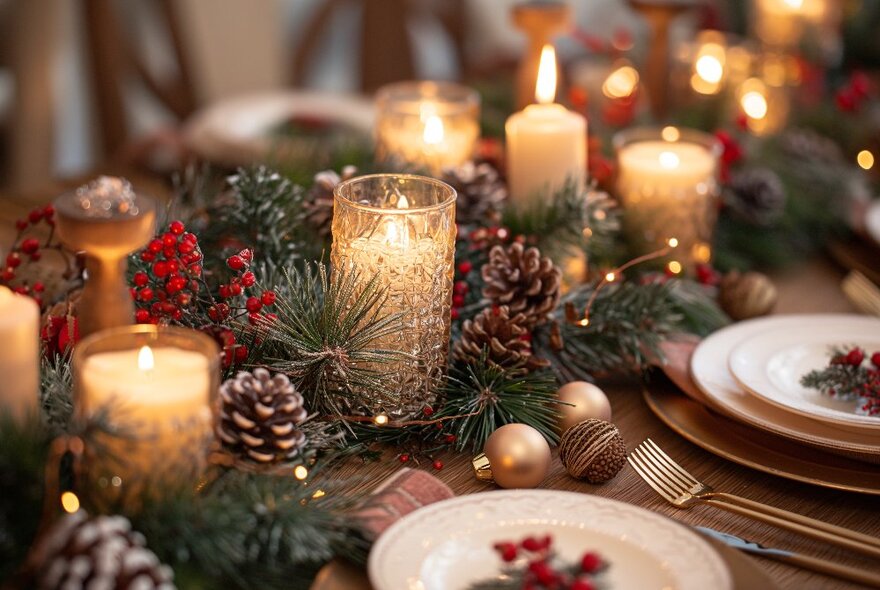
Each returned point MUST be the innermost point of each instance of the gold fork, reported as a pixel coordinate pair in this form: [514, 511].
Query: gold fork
[683, 490]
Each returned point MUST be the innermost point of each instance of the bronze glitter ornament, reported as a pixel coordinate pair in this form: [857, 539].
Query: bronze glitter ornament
[592, 450]
[748, 295]
[587, 401]
[515, 456]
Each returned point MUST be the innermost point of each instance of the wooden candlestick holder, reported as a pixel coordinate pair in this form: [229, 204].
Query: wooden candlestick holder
[540, 21]
[107, 221]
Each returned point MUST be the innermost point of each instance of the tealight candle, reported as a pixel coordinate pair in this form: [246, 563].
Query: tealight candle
[546, 143]
[783, 23]
[667, 183]
[399, 230]
[426, 125]
[20, 361]
[156, 386]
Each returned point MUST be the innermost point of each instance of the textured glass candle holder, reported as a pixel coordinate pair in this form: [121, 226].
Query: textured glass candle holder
[667, 183]
[106, 220]
[156, 388]
[400, 229]
[426, 125]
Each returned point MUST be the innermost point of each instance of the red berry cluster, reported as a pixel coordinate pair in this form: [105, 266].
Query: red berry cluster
[541, 573]
[171, 280]
[852, 96]
[28, 249]
[859, 381]
[243, 284]
[731, 153]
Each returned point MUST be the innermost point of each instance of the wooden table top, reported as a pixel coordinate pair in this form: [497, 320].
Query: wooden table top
[814, 287]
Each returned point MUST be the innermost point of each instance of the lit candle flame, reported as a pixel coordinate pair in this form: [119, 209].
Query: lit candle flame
[545, 89]
[402, 202]
[796, 4]
[669, 160]
[145, 359]
[433, 133]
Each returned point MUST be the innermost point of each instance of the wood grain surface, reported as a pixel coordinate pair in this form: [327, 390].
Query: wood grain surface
[813, 287]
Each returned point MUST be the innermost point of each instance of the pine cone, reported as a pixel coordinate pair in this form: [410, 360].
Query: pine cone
[757, 196]
[259, 415]
[481, 192]
[809, 146]
[503, 337]
[99, 552]
[523, 280]
[318, 206]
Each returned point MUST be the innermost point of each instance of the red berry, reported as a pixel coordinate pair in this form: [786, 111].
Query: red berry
[173, 267]
[458, 300]
[168, 252]
[48, 211]
[460, 288]
[590, 562]
[248, 279]
[155, 246]
[147, 256]
[507, 551]
[7, 275]
[532, 544]
[142, 316]
[141, 279]
[875, 359]
[543, 572]
[855, 357]
[185, 247]
[235, 289]
[453, 314]
[21, 224]
[268, 297]
[450, 438]
[235, 262]
[195, 270]
[247, 254]
[255, 319]
[36, 256]
[582, 585]
[35, 216]
[145, 294]
[30, 245]
[253, 304]
[860, 84]
[13, 259]
[465, 267]
[169, 240]
[428, 411]
[39, 287]
[225, 292]
[160, 269]
[241, 353]
[404, 458]
[438, 464]
[188, 237]
[176, 227]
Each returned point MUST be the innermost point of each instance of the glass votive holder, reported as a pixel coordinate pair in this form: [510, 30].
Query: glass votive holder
[426, 125]
[399, 230]
[155, 388]
[667, 182]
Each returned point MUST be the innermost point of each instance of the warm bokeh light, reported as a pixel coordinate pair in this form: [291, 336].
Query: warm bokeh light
[545, 88]
[433, 133]
[300, 472]
[709, 68]
[669, 160]
[672, 242]
[610, 277]
[670, 133]
[753, 98]
[318, 494]
[380, 420]
[674, 267]
[865, 159]
[621, 83]
[69, 502]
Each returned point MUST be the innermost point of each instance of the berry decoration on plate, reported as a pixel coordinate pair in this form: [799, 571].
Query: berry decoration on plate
[851, 374]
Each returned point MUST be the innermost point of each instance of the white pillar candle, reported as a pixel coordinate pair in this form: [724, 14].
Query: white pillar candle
[155, 390]
[546, 143]
[20, 361]
[667, 183]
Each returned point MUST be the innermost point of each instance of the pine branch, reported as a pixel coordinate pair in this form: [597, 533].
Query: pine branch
[486, 397]
[56, 392]
[327, 335]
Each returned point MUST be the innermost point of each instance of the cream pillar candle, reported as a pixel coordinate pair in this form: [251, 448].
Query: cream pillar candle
[667, 184]
[157, 385]
[400, 230]
[20, 361]
[546, 143]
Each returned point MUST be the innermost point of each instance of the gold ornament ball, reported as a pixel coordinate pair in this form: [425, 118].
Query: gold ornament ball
[748, 295]
[592, 450]
[588, 401]
[518, 456]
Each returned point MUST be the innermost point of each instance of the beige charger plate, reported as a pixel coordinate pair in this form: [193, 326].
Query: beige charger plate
[756, 448]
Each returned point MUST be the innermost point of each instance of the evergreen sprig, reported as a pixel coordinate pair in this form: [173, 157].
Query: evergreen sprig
[327, 338]
[485, 397]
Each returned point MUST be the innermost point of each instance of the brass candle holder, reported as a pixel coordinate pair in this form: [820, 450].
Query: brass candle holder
[108, 221]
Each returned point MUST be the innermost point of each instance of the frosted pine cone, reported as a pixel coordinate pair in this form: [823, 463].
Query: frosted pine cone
[504, 338]
[523, 280]
[809, 146]
[99, 552]
[756, 195]
[318, 207]
[481, 192]
[259, 416]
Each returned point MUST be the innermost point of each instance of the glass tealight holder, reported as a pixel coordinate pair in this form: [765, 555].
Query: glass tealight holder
[667, 182]
[154, 387]
[399, 230]
[427, 125]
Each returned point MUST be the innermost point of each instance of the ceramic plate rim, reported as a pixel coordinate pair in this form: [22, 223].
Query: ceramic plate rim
[715, 565]
[753, 380]
[765, 423]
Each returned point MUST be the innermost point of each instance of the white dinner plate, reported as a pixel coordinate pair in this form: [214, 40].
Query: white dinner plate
[709, 369]
[448, 545]
[770, 365]
[238, 130]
